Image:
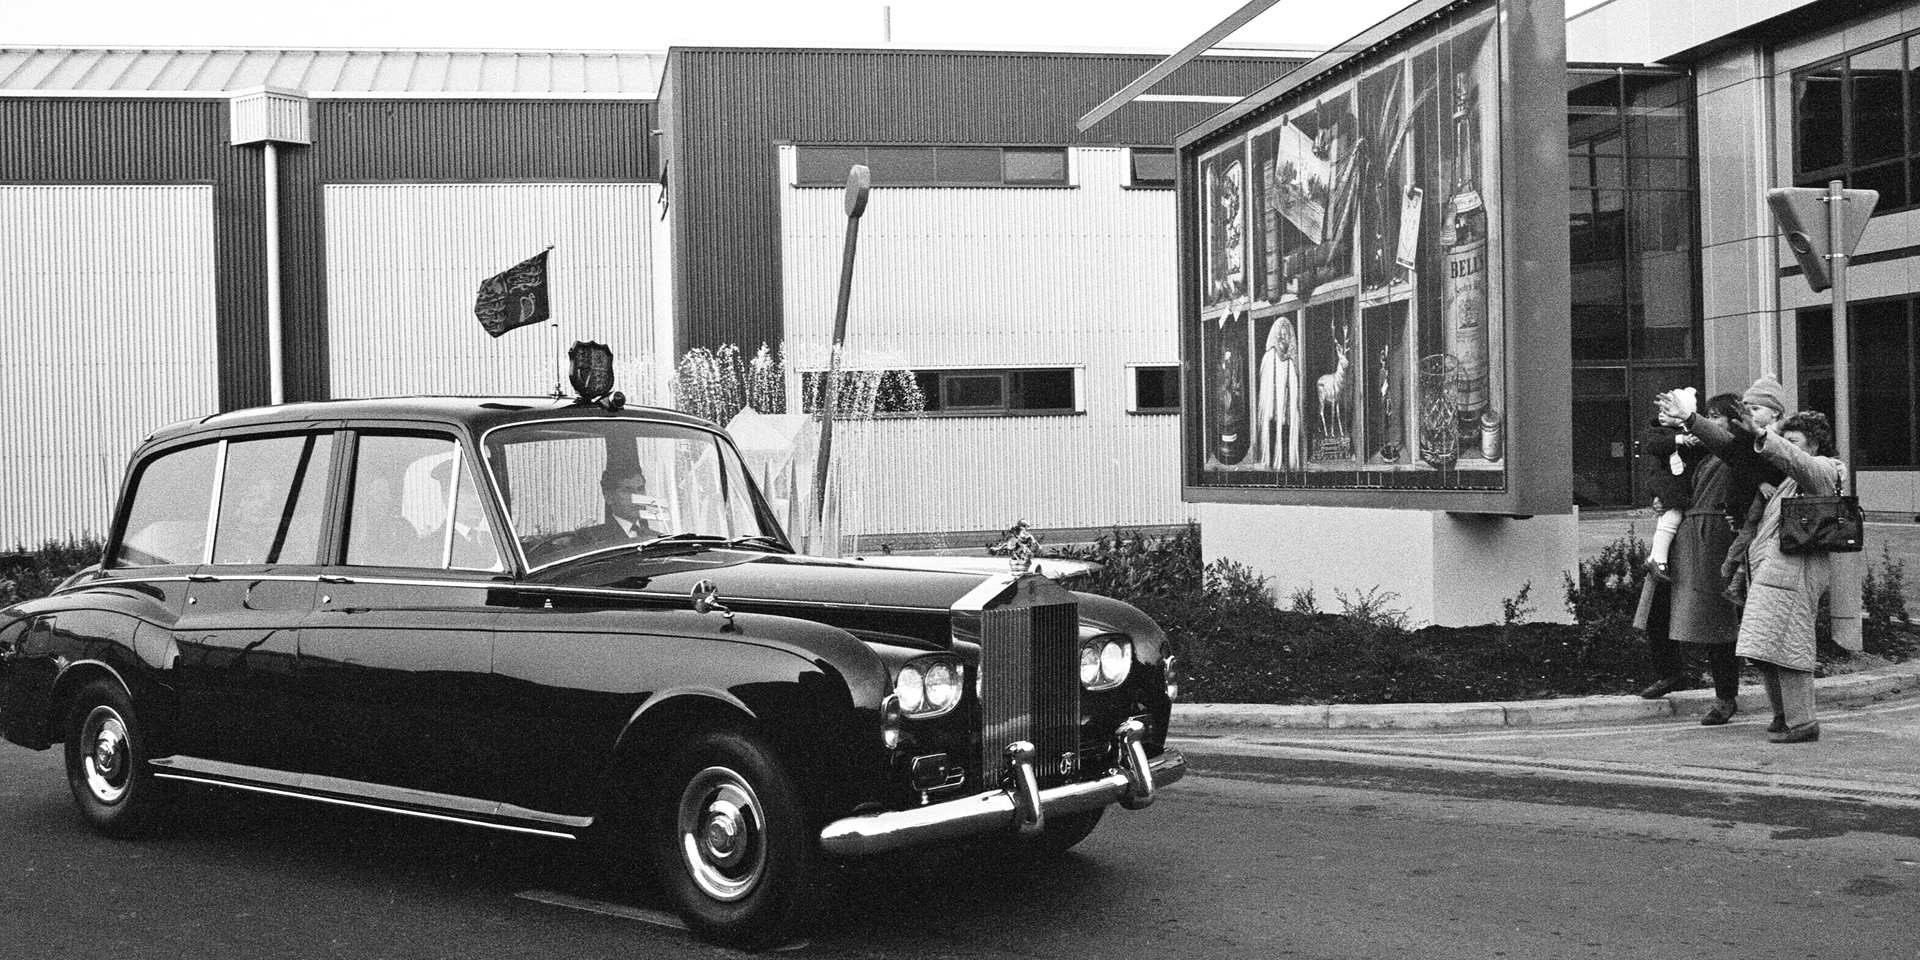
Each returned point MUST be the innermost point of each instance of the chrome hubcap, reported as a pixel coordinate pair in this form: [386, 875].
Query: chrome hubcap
[108, 761]
[723, 837]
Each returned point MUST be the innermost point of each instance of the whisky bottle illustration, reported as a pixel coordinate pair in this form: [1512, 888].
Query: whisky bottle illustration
[1232, 424]
[1463, 241]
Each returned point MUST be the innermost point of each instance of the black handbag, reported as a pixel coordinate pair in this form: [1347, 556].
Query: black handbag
[1829, 524]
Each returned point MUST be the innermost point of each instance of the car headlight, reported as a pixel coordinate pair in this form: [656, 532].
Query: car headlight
[929, 686]
[1105, 661]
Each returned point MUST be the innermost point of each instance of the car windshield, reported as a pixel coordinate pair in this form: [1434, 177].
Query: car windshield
[574, 487]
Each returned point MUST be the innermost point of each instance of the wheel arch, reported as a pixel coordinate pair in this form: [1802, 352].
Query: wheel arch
[67, 684]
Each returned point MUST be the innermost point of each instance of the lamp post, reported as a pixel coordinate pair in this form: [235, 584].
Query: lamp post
[858, 183]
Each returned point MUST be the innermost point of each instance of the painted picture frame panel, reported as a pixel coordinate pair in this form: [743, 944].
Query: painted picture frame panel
[1357, 221]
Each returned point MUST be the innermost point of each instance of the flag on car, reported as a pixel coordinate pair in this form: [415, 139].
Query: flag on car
[515, 297]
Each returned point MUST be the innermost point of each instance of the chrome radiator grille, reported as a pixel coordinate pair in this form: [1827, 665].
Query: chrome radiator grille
[1030, 687]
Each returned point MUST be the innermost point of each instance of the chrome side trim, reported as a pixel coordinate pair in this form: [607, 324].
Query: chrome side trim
[994, 811]
[412, 582]
[736, 600]
[372, 796]
[113, 581]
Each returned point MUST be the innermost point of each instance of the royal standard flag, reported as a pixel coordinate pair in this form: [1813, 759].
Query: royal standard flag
[514, 298]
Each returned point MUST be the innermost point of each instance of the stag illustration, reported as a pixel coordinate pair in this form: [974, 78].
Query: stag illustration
[1333, 390]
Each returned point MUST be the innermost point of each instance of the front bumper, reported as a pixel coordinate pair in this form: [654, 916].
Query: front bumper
[1022, 806]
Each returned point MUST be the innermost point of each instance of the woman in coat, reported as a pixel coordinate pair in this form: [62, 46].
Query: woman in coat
[1696, 613]
[1777, 630]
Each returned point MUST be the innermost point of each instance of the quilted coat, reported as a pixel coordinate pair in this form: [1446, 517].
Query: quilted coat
[1784, 598]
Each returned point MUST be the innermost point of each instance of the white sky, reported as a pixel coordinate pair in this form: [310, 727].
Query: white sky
[587, 24]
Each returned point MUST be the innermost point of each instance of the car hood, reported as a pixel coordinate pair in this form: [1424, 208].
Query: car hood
[754, 578]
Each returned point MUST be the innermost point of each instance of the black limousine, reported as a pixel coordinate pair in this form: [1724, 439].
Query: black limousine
[578, 621]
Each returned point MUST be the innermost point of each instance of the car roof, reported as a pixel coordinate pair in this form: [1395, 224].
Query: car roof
[476, 413]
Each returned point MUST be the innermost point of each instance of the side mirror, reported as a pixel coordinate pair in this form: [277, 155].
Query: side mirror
[706, 599]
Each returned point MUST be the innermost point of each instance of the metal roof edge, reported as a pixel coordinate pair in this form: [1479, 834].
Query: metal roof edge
[1405, 18]
[280, 48]
[315, 95]
[1246, 52]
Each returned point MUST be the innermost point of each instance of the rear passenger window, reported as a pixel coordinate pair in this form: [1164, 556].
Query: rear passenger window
[271, 496]
[399, 508]
[168, 509]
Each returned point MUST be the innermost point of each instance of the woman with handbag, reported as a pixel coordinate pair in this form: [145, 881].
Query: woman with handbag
[1777, 629]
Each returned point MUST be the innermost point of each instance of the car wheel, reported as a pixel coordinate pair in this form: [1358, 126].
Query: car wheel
[732, 845]
[107, 762]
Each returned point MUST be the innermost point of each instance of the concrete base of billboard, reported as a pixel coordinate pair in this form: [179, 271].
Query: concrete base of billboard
[1445, 569]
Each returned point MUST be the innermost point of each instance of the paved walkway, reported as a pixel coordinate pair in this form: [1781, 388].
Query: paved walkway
[1870, 746]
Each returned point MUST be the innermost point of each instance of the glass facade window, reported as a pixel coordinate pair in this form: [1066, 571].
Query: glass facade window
[1633, 243]
[1882, 363]
[933, 166]
[1855, 119]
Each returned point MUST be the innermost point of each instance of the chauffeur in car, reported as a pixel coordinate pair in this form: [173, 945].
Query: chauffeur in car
[744, 714]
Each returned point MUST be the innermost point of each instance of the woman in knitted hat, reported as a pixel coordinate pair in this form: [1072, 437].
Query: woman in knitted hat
[1766, 401]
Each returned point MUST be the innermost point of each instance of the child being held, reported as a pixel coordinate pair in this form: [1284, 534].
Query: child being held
[1672, 457]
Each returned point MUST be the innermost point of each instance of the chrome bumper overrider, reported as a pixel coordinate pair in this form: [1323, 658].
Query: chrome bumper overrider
[1023, 807]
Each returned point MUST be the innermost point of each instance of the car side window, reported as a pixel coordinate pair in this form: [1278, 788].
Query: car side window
[272, 493]
[402, 502]
[168, 508]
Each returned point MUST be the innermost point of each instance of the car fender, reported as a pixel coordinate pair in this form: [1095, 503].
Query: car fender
[64, 648]
[1107, 615]
[812, 691]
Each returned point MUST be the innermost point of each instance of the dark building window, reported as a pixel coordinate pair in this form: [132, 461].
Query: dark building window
[933, 166]
[1634, 250]
[1881, 356]
[1854, 120]
[1156, 390]
[968, 392]
[1150, 167]
[999, 392]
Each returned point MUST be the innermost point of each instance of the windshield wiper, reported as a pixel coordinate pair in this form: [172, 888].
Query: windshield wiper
[762, 541]
[681, 538]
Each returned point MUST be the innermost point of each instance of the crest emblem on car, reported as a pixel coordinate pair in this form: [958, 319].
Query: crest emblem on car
[590, 366]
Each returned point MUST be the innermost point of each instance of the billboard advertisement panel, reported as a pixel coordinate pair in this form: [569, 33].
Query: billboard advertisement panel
[1370, 317]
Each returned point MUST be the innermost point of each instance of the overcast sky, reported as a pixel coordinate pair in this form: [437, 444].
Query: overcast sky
[586, 24]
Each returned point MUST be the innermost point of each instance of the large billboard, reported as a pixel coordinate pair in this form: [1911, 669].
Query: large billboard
[1374, 273]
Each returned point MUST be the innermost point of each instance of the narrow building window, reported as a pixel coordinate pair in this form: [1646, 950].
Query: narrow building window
[933, 166]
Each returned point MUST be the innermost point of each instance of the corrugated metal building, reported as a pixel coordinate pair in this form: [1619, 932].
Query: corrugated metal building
[665, 185]
[1070, 275]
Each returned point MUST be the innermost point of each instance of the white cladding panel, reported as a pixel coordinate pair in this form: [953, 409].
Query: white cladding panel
[1079, 277]
[982, 473]
[108, 303]
[405, 263]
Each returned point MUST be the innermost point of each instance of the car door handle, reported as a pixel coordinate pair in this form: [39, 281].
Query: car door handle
[334, 578]
[202, 578]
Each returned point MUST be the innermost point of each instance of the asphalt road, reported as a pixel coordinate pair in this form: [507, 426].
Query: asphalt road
[1252, 856]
